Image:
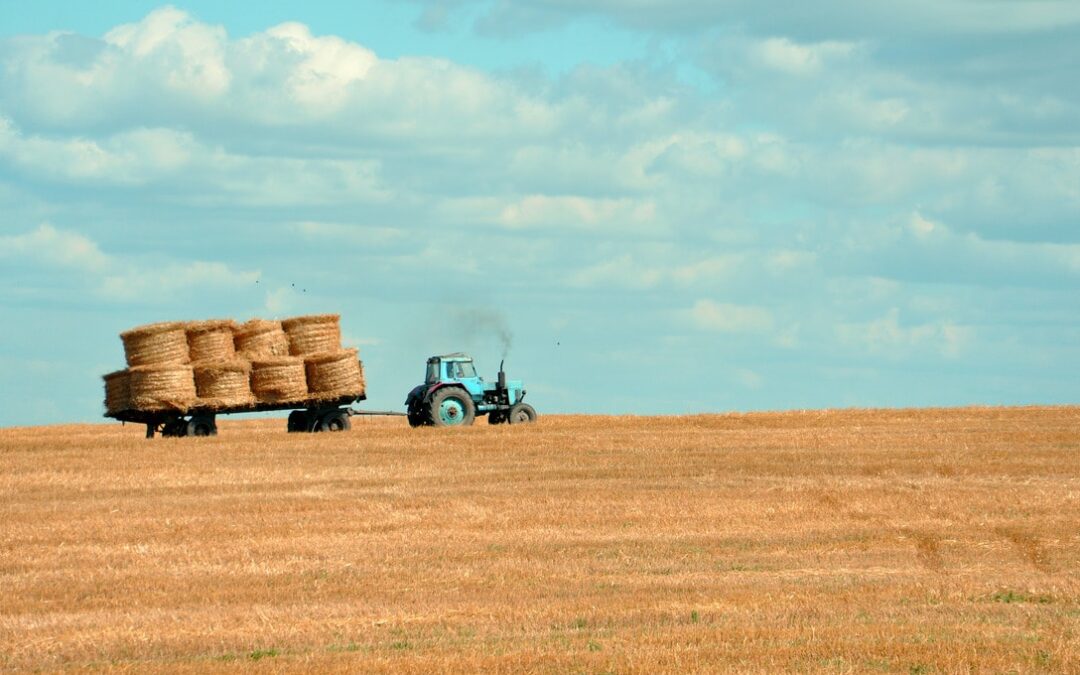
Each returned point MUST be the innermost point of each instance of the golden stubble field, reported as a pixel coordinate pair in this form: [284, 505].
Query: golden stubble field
[911, 541]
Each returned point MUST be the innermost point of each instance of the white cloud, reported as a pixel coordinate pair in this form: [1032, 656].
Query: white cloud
[730, 318]
[189, 54]
[574, 212]
[118, 278]
[327, 66]
[129, 158]
[620, 272]
[887, 337]
[56, 247]
[150, 282]
[782, 54]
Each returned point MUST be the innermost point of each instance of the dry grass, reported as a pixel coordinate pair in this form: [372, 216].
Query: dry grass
[850, 541]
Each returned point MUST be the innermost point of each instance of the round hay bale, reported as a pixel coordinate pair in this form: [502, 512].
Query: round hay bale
[223, 384]
[155, 344]
[334, 375]
[259, 338]
[315, 334]
[117, 391]
[167, 387]
[211, 340]
[278, 379]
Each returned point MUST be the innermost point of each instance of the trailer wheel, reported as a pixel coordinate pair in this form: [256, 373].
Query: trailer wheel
[174, 428]
[201, 425]
[298, 421]
[335, 420]
[451, 407]
[521, 413]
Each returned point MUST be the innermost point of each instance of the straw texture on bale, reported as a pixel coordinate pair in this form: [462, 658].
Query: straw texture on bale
[117, 391]
[211, 340]
[156, 344]
[260, 338]
[162, 387]
[278, 379]
[315, 334]
[223, 384]
[335, 374]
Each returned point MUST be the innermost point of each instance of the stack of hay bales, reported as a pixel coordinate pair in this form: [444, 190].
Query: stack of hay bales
[258, 338]
[330, 371]
[219, 364]
[160, 376]
[221, 379]
[117, 392]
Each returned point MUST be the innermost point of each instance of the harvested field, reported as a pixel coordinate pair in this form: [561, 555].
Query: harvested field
[845, 541]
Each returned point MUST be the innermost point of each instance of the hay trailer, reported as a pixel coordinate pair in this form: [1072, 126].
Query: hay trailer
[306, 416]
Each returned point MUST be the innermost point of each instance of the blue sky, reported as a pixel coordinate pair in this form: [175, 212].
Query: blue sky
[676, 206]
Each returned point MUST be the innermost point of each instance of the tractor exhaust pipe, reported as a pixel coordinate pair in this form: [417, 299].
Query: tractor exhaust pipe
[502, 376]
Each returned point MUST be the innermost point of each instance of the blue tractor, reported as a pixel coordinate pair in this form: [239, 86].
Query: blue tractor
[453, 395]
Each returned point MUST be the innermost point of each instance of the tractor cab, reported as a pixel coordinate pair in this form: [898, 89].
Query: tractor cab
[453, 394]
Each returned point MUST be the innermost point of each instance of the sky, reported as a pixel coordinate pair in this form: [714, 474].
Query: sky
[669, 207]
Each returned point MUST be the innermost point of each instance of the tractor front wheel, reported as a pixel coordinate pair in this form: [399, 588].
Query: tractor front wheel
[521, 413]
[451, 407]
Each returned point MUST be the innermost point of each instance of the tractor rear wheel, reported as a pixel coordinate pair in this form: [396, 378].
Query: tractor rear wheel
[451, 407]
[521, 413]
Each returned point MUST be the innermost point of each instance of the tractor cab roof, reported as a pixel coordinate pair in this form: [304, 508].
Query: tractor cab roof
[456, 356]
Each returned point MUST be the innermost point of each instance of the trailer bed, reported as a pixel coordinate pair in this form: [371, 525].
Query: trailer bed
[308, 414]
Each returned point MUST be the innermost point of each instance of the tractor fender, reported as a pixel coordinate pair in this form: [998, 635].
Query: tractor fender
[440, 385]
[418, 393]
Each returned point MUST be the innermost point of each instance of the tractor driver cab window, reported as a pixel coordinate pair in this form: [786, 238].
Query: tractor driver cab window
[453, 370]
[432, 372]
[466, 369]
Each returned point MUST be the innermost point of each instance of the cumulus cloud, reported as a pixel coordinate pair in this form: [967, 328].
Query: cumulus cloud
[117, 278]
[806, 179]
[56, 248]
[730, 318]
[890, 338]
[784, 55]
[578, 213]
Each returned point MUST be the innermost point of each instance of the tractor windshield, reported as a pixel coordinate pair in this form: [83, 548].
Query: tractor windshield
[466, 369]
[459, 370]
